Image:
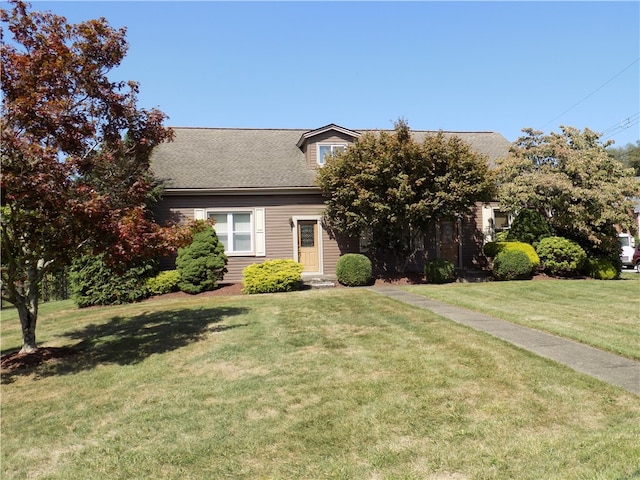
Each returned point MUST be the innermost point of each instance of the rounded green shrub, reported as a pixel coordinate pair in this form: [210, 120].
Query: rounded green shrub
[164, 282]
[202, 264]
[272, 276]
[561, 256]
[512, 265]
[354, 269]
[93, 282]
[601, 269]
[439, 271]
[529, 227]
[492, 249]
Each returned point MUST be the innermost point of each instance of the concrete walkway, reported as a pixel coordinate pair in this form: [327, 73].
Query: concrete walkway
[604, 366]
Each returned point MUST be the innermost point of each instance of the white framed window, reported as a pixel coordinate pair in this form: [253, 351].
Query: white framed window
[327, 149]
[494, 221]
[242, 232]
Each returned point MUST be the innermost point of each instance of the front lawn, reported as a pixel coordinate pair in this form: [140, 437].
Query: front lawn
[333, 384]
[603, 314]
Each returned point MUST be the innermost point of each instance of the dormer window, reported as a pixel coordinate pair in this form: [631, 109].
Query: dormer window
[326, 149]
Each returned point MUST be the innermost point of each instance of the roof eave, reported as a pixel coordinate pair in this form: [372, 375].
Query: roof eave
[308, 190]
[332, 126]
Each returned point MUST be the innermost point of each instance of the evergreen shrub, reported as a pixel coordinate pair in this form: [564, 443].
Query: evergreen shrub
[354, 269]
[601, 269]
[529, 227]
[561, 256]
[93, 282]
[439, 271]
[202, 264]
[512, 265]
[164, 282]
[272, 276]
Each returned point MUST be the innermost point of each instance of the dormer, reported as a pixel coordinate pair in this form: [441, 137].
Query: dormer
[317, 144]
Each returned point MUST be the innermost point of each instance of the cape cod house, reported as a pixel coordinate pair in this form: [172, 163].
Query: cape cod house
[258, 186]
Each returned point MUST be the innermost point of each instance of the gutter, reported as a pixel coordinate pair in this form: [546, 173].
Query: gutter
[241, 191]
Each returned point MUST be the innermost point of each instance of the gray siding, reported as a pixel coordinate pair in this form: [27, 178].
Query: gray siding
[311, 147]
[279, 209]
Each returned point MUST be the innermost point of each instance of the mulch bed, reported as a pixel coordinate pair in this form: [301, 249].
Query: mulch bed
[19, 361]
[236, 288]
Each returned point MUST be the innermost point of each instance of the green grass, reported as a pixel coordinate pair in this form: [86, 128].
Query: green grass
[333, 384]
[601, 313]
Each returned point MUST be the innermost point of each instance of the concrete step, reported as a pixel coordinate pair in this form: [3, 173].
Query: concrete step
[319, 282]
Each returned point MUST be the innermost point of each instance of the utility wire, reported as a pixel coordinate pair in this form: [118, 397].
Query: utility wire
[622, 124]
[596, 90]
[619, 127]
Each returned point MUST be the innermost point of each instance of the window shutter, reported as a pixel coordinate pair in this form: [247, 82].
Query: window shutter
[198, 214]
[260, 237]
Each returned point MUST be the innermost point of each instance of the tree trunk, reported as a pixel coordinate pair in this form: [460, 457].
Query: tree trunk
[27, 306]
[28, 313]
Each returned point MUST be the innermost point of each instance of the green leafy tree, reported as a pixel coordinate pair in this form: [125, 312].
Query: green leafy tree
[75, 154]
[628, 155]
[570, 179]
[392, 188]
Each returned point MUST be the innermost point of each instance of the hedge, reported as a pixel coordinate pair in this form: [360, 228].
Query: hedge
[492, 249]
[512, 265]
[354, 269]
[561, 256]
[272, 276]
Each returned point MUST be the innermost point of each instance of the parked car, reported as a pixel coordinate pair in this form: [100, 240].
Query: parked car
[628, 250]
[636, 258]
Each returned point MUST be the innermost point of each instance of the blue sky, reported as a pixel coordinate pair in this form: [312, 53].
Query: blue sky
[459, 66]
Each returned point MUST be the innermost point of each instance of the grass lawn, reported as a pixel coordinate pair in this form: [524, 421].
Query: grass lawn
[603, 314]
[329, 384]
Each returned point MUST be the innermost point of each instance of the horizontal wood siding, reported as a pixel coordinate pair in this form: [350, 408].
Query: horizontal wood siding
[279, 209]
[326, 137]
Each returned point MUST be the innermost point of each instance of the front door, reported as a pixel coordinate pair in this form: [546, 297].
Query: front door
[449, 241]
[308, 252]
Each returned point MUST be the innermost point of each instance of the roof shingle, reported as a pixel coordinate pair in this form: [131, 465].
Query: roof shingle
[236, 158]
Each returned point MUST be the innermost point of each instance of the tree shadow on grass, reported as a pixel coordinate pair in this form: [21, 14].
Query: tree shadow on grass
[122, 341]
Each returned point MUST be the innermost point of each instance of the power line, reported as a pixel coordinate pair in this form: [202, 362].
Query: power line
[593, 92]
[621, 126]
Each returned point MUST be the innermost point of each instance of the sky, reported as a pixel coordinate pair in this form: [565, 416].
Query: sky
[453, 66]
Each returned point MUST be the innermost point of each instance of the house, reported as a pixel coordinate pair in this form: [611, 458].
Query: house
[258, 186]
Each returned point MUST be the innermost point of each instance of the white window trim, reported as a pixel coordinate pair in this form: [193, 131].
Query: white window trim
[489, 221]
[257, 228]
[327, 144]
[296, 257]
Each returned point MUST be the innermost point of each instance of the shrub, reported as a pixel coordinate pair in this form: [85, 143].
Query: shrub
[601, 269]
[272, 276]
[202, 264]
[560, 256]
[164, 282]
[512, 265]
[492, 249]
[439, 270]
[501, 236]
[354, 269]
[529, 227]
[92, 282]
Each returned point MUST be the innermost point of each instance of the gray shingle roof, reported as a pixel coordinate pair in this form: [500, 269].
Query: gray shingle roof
[235, 158]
